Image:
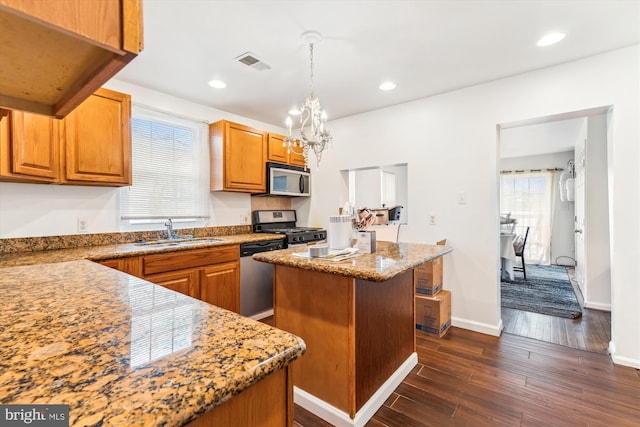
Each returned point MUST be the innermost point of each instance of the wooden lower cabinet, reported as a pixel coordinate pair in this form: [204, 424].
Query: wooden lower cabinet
[268, 403]
[211, 275]
[129, 265]
[185, 282]
[219, 285]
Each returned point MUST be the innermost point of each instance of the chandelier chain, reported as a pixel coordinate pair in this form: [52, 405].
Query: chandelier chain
[311, 74]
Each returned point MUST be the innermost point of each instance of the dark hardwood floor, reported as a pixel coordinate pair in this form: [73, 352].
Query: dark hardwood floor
[591, 331]
[471, 379]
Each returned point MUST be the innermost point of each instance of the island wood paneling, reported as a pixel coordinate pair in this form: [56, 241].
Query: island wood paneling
[320, 308]
[357, 332]
[385, 331]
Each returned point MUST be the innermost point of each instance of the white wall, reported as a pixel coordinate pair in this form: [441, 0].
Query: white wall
[596, 229]
[449, 143]
[562, 237]
[28, 210]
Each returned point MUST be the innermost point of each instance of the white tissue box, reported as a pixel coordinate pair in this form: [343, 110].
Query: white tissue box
[365, 241]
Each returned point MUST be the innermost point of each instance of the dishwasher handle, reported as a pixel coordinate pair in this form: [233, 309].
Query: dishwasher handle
[248, 249]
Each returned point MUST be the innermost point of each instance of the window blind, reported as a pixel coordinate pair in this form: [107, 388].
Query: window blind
[168, 156]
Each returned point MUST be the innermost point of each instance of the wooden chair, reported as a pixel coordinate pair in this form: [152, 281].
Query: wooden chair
[520, 253]
[442, 242]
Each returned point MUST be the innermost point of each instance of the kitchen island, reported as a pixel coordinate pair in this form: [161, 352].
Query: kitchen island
[356, 317]
[122, 351]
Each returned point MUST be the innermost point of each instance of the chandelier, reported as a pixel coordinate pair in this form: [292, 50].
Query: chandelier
[313, 134]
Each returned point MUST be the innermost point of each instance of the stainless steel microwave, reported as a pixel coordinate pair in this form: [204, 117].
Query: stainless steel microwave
[288, 180]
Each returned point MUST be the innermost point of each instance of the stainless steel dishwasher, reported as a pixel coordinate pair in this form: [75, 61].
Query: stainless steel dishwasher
[256, 279]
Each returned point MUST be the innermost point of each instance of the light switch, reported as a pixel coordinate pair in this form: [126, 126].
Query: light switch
[462, 197]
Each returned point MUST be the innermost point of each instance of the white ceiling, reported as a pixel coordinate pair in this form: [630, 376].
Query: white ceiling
[427, 47]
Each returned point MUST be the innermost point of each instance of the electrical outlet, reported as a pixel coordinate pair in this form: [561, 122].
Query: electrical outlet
[244, 219]
[432, 219]
[83, 225]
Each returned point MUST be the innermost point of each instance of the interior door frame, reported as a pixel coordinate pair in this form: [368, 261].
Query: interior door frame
[608, 111]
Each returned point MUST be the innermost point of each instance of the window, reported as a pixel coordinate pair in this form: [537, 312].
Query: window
[527, 196]
[169, 173]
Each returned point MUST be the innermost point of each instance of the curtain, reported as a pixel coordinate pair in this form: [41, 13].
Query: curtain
[528, 197]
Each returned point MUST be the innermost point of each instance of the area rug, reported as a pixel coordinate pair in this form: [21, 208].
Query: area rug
[547, 290]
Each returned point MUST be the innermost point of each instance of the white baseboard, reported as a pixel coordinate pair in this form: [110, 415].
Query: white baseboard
[597, 306]
[483, 328]
[262, 315]
[340, 418]
[621, 360]
[626, 361]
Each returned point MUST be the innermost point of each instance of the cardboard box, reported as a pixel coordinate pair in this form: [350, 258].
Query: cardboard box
[427, 277]
[433, 314]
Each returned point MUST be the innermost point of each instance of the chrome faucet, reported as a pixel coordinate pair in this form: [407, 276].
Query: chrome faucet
[169, 225]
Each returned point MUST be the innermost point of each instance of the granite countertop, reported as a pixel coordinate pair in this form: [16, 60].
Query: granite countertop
[102, 252]
[123, 351]
[389, 260]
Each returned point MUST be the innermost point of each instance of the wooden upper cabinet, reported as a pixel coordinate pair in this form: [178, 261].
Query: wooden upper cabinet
[238, 157]
[277, 152]
[56, 53]
[29, 147]
[97, 141]
[296, 159]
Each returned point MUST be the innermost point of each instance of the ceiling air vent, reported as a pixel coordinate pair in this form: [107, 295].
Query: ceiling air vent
[250, 60]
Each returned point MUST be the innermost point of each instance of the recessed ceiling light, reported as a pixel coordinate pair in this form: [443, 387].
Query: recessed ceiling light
[550, 39]
[295, 111]
[217, 84]
[387, 86]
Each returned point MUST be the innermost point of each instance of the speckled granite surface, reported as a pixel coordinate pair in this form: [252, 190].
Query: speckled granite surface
[72, 241]
[98, 253]
[122, 351]
[389, 260]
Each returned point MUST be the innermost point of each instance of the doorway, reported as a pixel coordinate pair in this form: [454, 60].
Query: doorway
[579, 223]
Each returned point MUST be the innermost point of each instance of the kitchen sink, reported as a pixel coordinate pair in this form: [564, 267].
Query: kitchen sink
[179, 241]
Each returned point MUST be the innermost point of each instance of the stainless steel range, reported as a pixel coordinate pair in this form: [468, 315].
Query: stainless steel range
[284, 222]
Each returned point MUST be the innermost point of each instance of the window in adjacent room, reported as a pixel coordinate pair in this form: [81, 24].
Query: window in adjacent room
[169, 172]
[528, 196]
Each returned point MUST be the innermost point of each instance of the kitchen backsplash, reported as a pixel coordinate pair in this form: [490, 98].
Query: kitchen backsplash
[31, 244]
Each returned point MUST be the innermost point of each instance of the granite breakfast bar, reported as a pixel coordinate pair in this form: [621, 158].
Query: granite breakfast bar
[122, 351]
[356, 317]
